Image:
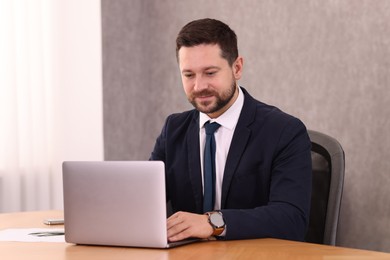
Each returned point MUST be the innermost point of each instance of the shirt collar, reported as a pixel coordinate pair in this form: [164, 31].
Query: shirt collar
[229, 118]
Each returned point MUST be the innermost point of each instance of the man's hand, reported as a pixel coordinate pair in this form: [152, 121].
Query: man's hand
[182, 225]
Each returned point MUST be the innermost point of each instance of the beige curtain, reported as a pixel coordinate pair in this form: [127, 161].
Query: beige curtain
[25, 102]
[50, 97]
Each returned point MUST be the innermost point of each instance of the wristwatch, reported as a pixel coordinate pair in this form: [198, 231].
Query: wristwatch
[217, 222]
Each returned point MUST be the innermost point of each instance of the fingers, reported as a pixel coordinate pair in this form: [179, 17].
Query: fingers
[176, 227]
[182, 225]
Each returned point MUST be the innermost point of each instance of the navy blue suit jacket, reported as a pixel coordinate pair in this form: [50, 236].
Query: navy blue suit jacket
[267, 180]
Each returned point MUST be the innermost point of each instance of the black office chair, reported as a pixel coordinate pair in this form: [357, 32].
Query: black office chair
[328, 181]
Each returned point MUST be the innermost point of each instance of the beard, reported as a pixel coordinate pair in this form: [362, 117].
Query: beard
[209, 107]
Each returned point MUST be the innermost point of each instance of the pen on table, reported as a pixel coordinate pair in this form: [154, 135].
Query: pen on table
[47, 234]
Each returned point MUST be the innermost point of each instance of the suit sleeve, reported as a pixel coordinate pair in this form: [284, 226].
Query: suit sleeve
[286, 215]
[158, 153]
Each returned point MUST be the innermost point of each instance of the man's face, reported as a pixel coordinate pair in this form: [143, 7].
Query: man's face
[208, 80]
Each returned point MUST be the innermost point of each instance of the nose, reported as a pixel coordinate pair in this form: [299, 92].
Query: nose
[200, 84]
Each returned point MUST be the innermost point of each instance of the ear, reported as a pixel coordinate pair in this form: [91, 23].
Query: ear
[238, 66]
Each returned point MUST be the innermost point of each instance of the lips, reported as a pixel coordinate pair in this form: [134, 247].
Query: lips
[204, 98]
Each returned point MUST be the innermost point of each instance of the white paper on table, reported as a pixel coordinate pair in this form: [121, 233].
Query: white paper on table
[25, 235]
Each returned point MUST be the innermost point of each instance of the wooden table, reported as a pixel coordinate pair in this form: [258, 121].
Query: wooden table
[241, 249]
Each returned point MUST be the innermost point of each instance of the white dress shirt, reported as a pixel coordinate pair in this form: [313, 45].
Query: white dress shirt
[223, 138]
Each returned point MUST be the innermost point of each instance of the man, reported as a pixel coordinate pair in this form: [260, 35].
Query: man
[262, 168]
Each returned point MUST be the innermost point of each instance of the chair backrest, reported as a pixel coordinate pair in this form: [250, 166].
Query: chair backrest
[328, 180]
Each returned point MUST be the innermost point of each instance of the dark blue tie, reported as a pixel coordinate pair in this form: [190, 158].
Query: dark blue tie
[209, 167]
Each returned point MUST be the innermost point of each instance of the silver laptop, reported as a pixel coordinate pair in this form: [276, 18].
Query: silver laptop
[116, 203]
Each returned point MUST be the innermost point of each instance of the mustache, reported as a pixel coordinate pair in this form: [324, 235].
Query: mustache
[203, 93]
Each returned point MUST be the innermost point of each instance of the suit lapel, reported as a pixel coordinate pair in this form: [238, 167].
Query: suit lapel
[239, 142]
[194, 162]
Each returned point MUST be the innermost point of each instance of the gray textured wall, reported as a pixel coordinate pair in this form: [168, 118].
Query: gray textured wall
[324, 61]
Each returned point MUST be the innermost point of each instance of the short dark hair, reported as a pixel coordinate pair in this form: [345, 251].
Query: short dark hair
[209, 31]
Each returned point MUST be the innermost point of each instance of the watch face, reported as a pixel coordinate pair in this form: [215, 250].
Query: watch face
[216, 219]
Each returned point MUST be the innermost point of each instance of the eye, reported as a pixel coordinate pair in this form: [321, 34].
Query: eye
[188, 75]
[211, 73]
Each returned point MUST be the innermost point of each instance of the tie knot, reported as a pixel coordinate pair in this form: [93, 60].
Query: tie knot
[211, 127]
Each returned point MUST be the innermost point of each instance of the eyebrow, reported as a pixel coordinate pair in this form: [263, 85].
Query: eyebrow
[206, 68]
